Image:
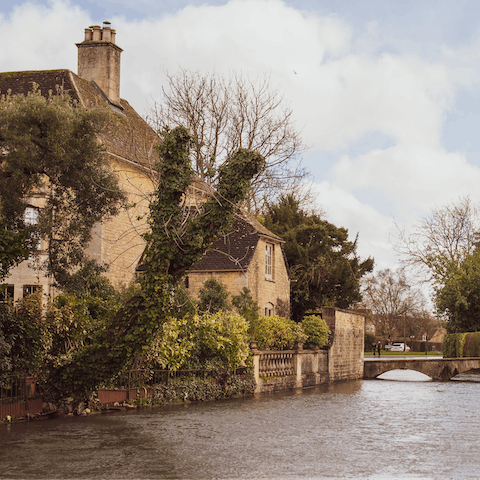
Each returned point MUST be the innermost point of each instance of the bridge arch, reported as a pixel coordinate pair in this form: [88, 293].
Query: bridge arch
[441, 369]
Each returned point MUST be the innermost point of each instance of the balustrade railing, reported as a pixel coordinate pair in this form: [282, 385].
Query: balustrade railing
[276, 364]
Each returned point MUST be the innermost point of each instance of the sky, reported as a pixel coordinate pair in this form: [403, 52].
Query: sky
[385, 93]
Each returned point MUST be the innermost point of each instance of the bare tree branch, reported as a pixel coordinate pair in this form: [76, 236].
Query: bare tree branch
[224, 114]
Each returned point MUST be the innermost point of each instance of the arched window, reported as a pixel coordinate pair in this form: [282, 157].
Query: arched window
[269, 309]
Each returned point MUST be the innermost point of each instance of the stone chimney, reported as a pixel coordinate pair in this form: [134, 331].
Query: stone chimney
[99, 59]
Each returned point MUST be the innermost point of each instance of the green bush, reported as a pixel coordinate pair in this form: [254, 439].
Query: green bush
[246, 306]
[24, 334]
[316, 329]
[276, 333]
[212, 296]
[472, 345]
[218, 340]
[457, 345]
[453, 344]
[200, 389]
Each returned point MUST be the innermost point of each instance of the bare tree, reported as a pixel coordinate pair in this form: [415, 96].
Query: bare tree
[441, 240]
[393, 302]
[227, 113]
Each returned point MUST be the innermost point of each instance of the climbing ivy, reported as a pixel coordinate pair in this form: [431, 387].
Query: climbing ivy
[179, 236]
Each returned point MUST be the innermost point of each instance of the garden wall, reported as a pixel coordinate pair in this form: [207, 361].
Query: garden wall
[341, 360]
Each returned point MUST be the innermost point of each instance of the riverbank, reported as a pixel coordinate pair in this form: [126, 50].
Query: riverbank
[178, 391]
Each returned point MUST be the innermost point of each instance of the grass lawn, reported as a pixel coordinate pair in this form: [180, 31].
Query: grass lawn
[387, 352]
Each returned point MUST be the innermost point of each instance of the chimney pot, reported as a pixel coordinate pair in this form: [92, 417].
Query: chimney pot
[88, 35]
[97, 33]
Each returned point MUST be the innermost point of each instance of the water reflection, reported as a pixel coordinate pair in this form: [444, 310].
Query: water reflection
[405, 376]
[362, 429]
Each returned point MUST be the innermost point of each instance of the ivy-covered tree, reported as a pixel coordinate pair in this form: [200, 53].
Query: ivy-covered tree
[49, 149]
[178, 238]
[324, 266]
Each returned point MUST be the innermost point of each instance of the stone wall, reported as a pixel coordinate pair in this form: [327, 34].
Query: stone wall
[117, 241]
[234, 281]
[346, 351]
[264, 290]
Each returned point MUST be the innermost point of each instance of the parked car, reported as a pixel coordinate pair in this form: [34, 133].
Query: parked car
[399, 347]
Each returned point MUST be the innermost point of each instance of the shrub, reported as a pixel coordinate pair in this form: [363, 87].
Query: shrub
[223, 336]
[218, 340]
[316, 329]
[453, 344]
[472, 345]
[246, 306]
[276, 333]
[212, 296]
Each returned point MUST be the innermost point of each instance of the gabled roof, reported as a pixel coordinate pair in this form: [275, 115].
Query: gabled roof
[130, 138]
[234, 250]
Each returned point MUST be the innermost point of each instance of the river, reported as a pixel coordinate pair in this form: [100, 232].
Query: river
[362, 429]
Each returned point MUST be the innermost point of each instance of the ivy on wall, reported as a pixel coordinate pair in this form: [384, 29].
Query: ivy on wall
[178, 238]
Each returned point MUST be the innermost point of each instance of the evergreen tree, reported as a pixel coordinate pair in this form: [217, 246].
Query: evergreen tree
[324, 266]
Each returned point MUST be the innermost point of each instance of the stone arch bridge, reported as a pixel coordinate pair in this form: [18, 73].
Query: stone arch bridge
[441, 369]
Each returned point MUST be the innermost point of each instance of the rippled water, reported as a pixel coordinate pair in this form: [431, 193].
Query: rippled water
[362, 429]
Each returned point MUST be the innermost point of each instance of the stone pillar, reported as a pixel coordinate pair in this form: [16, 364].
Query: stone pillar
[256, 365]
[297, 364]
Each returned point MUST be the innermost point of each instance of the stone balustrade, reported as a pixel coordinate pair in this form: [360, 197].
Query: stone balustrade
[276, 364]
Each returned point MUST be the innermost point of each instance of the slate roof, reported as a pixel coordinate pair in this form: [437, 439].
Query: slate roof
[234, 250]
[129, 138]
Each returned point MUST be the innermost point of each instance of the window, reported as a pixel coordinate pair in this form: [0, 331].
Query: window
[31, 218]
[269, 261]
[7, 295]
[268, 309]
[28, 289]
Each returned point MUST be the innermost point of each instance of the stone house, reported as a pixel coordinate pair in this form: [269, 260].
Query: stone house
[249, 256]
[129, 146]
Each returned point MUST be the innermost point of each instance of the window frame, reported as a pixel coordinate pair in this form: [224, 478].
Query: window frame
[269, 261]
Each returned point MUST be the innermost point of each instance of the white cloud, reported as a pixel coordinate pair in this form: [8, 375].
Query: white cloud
[37, 37]
[412, 177]
[345, 210]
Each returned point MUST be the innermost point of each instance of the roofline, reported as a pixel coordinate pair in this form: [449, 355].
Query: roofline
[279, 240]
[244, 271]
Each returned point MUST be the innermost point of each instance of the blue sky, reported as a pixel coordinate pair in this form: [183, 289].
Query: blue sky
[386, 92]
